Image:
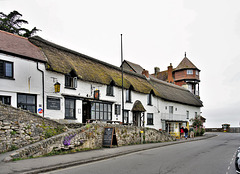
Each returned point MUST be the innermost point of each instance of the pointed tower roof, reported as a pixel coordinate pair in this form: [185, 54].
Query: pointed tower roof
[185, 64]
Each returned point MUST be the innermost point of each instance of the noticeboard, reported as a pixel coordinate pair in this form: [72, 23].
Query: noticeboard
[53, 103]
[109, 137]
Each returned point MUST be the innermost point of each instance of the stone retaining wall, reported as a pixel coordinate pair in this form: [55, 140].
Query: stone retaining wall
[30, 132]
[90, 137]
[19, 128]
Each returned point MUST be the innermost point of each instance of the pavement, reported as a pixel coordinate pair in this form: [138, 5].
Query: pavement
[46, 164]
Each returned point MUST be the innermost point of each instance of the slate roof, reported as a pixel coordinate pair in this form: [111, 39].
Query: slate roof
[63, 60]
[19, 46]
[135, 67]
[185, 64]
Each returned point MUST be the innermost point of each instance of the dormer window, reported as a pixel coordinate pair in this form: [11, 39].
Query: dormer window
[71, 80]
[128, 95]
[110, 89]
[149, 99]
[190, 71]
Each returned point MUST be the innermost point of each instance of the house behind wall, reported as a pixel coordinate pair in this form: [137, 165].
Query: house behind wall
[91, 90]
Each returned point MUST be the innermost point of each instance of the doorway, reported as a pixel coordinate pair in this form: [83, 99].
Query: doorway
[137, 119]
[86, 110]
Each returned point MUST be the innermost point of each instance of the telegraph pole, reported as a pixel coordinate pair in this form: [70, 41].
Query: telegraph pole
[122, 81]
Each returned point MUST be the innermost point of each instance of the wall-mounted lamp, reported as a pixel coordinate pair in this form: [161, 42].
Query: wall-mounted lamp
[57, 87]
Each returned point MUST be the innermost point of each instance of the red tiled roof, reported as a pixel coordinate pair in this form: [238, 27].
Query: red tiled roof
[18, 45]
[185, 64]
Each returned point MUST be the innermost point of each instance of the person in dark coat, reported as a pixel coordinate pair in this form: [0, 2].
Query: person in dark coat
[186, 132]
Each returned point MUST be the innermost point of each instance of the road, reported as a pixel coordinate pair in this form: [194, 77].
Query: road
[210, 156]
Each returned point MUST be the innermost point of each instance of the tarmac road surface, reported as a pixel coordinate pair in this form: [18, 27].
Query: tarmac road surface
[209, 156]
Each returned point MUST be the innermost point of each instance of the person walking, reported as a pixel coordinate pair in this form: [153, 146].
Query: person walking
[191, 132]
[186, 132]
[182, 132]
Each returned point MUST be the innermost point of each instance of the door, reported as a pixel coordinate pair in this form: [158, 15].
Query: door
[86, 110]
[136, 118]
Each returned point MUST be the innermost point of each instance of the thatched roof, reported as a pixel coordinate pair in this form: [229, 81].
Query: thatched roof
[138, 107]
[175, 93]
[63, 60]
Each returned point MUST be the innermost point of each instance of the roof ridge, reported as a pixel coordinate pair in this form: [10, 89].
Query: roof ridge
[167, 84]
[37, 38]
[13, 34]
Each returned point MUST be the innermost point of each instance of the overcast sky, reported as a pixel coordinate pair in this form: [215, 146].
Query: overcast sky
[155, 33]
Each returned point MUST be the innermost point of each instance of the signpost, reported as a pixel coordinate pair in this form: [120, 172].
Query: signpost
[109, 137]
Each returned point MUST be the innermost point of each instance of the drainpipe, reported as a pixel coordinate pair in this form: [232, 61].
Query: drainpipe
[42, 86]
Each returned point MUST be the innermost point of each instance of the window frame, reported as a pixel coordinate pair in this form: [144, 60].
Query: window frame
[26, 104]
[3, 99]
[171, 109]
[189, 71]
[149, 99]
[74, 109]
[128, 95]
[101, 109]
[150, 119]
[126, 116]
[110, 91]
[196, 72]
[117, 109]
[4, 71]
[70, 82]
[187, 114]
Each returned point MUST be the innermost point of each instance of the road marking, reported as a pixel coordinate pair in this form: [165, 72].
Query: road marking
[229, 167]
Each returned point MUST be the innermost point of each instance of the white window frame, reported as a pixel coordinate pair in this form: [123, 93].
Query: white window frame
[189, 71]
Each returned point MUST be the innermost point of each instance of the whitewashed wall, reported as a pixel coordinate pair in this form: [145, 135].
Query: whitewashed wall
[86, 90]
[27, 79]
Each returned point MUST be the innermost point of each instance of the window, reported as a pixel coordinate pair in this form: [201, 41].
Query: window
[110, 90]
[6, 69]
[27, 102]
[101, 111]
[189, 71]
[69, 108]
[197, 73]
[5, 100]
[187, 114]
[149, 99]
[70, 82]
[117, 109]
[171, 109]
[190, 87]
[126, 116]
[195, 114]
[128, 95]
[149, 119]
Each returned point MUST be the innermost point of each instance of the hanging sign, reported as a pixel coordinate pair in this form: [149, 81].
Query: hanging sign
[96, 94]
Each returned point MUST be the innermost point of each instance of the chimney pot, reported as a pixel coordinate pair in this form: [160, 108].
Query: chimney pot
[156, 70]
[145, 73]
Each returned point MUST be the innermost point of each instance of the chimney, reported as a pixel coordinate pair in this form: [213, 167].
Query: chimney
[170, 76]
[156, 71]
[145, 73]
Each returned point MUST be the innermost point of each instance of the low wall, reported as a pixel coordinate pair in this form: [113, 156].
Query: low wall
[231, 130]
[90, 136]
[19, 128]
